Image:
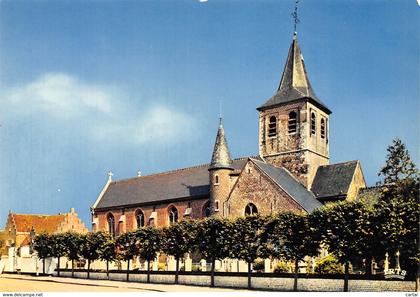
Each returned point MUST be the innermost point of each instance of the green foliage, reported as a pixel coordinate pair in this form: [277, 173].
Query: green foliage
[396, 218]
[107, 250]
[258, 265]
[247, 237]
[179, 239]
[290, 236]
[126, 246]
[58, 245]
[344, 228]
[283, 266]
[399, 165]
[91, 246]
[214, 238]
[42, 245]
[148, 242]
[329, 265]
[72, 241]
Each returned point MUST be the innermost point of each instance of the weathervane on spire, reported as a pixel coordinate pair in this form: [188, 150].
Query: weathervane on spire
[295, 17]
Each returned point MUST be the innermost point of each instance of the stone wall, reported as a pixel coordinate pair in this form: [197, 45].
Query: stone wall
[300, 152]
[259, 282]
[253, 186]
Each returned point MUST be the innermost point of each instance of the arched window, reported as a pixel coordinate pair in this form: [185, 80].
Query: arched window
[111, 224]
[313, 123]
[250, 209]
[322, 128]
[173, 215]
[206, 210]
[139, 218]
[292, 124]
[216, 180]
[272, 127]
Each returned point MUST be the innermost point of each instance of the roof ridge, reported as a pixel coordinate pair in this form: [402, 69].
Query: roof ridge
[34, 214]
[340, 163]
[173, 171]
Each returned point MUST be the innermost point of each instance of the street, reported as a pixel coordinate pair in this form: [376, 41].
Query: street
[26, 283]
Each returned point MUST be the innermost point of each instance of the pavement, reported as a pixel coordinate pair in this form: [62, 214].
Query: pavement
[28, 283]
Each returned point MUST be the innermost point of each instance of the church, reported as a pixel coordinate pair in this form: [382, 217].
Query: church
[291, 171]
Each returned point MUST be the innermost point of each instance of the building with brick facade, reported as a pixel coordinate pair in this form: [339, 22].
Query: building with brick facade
[290, 173]
[20, 229]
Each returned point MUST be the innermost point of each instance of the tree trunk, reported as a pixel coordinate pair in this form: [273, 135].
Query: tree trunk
[346, 276]
[128, 270]
[295, 283]
[43, 266]
[369, 267]
[249, 276]
[213, 262]
[72, 268]
[88, 272]
[107, 269]
[177, 271]
[58, 267]
[148, 271]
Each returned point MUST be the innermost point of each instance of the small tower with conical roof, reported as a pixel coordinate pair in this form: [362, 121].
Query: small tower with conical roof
[219, 173]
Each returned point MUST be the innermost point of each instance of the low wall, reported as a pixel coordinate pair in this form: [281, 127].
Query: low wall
[259, 281]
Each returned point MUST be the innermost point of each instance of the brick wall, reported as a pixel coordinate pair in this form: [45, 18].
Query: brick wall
[255, 187]
[160, 209]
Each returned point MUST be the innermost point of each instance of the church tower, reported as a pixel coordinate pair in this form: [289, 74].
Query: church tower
[294, 123]
[219, 170]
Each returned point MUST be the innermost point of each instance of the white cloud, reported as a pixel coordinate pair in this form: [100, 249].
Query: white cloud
[158, 124]
[60, 97]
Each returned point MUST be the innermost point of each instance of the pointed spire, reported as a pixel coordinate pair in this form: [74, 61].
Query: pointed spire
[221, 156]
[294, 83]
[294, 74]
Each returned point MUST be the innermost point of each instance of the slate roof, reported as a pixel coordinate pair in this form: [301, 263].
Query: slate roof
[221, 156]
[294, 84]
[290, 185]
[40, 223]
[333, 181]
[191, 182]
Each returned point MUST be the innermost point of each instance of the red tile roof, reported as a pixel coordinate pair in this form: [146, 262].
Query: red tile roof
[41, 223]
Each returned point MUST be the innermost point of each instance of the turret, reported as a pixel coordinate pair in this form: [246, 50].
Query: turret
[219, 173]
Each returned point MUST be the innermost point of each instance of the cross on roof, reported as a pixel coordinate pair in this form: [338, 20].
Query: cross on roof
[295, 16]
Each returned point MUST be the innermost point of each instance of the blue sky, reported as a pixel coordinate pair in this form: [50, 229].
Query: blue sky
[92, 86]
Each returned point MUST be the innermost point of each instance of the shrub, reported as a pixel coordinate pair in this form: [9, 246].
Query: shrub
[282, 266]
[258, 265]
[329, 264]
[161, 266]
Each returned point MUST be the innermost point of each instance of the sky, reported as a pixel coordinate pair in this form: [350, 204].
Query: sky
[92, 86]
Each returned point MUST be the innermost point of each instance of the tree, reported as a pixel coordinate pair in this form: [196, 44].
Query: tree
[397, 217]
[90, 247]
[178, 239]
[58, 248]
[247, 240]
[292, 235]
[72, 241]
[42, 246]
[399, 165]
[127, 248]
[214, 239]
[343, 227]
[148, 244]
[107, 251]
